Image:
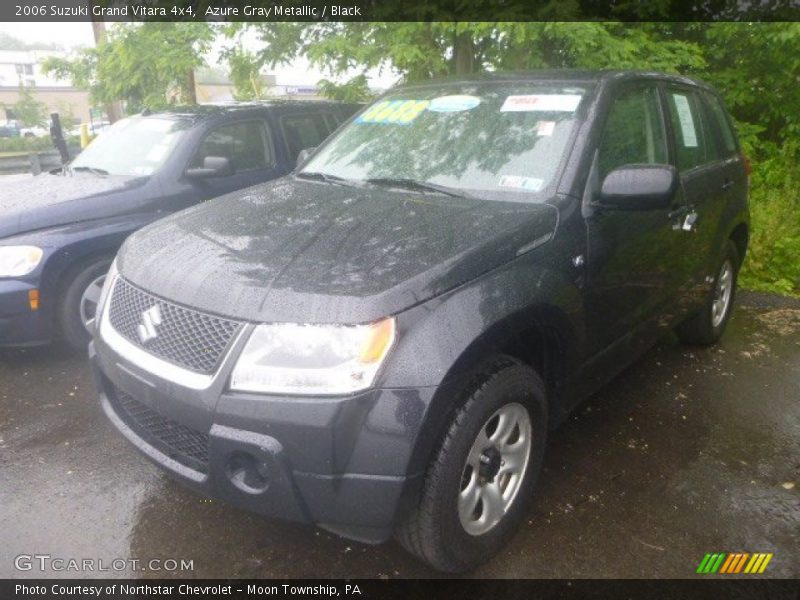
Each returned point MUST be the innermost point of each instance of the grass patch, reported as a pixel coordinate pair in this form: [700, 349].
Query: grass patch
[773, 256]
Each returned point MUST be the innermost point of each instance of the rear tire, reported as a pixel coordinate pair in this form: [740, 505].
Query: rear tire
[78, 301]
[707, 326]
[466, 515]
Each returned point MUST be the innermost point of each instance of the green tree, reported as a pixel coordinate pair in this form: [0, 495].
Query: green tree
[756, 65]
[66, 115]
[245, 73]
[419, 51]
[145, 65]
[28, 110]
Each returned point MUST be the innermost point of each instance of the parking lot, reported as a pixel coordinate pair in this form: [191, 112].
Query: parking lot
[689, 451]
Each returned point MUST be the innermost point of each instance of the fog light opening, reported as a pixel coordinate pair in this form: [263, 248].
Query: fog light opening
[247, 473]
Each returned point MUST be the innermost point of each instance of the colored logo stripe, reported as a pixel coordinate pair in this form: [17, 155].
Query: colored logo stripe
[711, 563]
[734, 562]
[758, 563]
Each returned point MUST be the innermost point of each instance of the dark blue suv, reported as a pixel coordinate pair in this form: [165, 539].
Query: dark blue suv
[60, 231]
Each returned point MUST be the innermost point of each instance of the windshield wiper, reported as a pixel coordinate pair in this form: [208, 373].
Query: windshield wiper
[326, 177]
[422, 186]
[94, 170]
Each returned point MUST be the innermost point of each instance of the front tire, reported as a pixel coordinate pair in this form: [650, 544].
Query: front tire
[81, 292]
[706, 327]
[480, 482]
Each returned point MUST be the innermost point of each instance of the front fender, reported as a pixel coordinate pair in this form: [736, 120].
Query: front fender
[434, 336]
[67, 245]
[442, 341]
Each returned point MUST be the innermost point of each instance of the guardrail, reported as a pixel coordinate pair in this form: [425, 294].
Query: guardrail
[34, 162]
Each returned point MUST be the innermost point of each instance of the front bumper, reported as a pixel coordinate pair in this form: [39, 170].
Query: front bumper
[340, 463]
[19, 325]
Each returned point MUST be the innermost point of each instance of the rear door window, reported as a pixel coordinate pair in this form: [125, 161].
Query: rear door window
[306, 131]
[690, 133]
[722, 125]
[246, 144]
[634, 131]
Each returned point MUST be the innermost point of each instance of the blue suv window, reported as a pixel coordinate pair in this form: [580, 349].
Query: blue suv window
[306, 131]
[246, 144]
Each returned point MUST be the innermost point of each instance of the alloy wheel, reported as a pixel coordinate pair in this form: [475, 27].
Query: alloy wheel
[722, 294]
[495, 468]
[89, 300]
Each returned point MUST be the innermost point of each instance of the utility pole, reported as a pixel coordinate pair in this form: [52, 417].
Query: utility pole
[113, 109]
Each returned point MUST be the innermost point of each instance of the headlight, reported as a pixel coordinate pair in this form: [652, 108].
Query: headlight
[313, 359]
[16, 261]
[109, 281]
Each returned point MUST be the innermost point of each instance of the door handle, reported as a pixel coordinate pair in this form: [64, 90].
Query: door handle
[727, 185]
[690, 221]
[684, 218]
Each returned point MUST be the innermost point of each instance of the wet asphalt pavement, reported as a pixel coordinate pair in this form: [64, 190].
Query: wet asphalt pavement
[688, 451]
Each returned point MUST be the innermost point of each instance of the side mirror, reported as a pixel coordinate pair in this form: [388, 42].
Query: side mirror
[213, 166]
[302, 157]
[639, 187]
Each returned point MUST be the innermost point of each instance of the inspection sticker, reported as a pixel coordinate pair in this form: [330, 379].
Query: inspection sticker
[454, 103]
[397, 112]
[688, 131]
[541, 102]
[524, 183]
[545, 128]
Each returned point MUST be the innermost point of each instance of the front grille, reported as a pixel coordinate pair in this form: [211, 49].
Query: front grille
[186, 337]
[181, 443]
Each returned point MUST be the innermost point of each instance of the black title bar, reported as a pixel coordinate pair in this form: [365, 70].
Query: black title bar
[441, 589]
[396, 10]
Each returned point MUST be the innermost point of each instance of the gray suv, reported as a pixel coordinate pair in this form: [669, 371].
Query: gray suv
[378, 343]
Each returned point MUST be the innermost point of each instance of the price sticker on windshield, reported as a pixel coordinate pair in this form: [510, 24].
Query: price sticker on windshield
[530, 184]
[541, 103]
[397, 112]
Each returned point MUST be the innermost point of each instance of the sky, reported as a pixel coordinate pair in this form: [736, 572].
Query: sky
[80, 34]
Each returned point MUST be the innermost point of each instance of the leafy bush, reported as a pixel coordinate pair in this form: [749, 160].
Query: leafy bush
[23, 144]
[772, 263]
[32, 144]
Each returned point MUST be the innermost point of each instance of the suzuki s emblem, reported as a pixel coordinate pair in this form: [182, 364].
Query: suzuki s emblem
[151, 318]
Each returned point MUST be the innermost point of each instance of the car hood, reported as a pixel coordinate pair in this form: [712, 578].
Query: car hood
[49, 200]
[314, 252]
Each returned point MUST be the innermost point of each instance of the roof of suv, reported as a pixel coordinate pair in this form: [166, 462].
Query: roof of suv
[573, 75]
[200, 112]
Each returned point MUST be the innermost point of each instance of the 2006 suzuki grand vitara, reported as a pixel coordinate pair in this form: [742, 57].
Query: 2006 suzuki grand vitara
[378, 343]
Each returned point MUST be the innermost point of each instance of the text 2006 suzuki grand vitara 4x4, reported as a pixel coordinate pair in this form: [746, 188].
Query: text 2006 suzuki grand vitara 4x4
[377, 343]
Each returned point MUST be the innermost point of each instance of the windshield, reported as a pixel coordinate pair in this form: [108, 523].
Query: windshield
[134, 146]
[493, 138]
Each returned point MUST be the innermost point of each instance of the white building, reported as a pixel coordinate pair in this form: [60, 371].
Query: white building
[25, 67]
